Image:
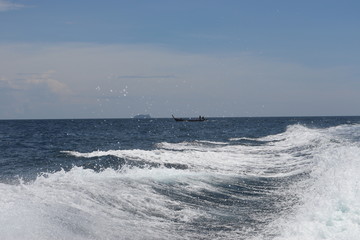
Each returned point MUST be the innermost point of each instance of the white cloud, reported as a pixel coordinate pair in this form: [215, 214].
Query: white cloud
[26, 81]
[46, 79]
[6, 5]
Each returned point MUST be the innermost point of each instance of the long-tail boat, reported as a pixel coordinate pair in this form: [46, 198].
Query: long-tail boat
[199, 119]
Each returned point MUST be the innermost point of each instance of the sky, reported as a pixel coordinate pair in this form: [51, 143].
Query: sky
[228, 58]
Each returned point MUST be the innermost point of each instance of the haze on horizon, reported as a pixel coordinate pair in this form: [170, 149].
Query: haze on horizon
[117, 59]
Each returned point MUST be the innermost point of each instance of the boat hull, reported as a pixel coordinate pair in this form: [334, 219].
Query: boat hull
[189, 120]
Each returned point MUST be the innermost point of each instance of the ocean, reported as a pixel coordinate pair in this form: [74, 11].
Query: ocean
[225, 178]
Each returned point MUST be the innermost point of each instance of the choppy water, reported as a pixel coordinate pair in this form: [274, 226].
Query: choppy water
[226, 178]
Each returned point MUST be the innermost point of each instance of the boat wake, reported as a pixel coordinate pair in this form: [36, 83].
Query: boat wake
[299, 184]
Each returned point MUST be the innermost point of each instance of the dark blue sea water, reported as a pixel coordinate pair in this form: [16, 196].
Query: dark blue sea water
[226, 178]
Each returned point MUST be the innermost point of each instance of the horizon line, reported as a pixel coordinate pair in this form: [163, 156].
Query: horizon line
[214, 117]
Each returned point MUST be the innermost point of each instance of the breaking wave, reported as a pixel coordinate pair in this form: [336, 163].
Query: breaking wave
[303, 183]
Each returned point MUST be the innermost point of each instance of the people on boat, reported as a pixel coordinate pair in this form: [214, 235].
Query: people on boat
[201, 118]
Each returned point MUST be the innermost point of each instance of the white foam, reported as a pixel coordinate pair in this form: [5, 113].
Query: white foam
[243, 138]
[83, 204]
[329, 206]
[328, 200]
[268, 160]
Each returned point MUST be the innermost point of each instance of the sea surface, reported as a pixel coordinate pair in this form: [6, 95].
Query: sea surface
[225, 178]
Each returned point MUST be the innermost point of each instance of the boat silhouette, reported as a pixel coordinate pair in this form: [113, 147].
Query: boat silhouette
[199, 119]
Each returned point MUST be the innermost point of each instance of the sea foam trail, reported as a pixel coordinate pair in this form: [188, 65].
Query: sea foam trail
[280, 156]
[328, 200]
[83, 204]
[168, 203]
[329, 206]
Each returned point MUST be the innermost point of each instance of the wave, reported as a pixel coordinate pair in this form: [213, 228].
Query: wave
[83, 204]
[325, 200]
[329, 205]
[280, 155]
[302, 183]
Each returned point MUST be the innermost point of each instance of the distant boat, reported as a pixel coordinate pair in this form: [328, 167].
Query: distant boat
[142, 116]
[199, 119]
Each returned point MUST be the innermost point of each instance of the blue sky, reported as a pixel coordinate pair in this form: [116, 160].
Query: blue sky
[99, 59]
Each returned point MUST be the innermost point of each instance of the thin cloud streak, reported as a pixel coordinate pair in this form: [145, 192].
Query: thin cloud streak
[29, 80]
[8, 6]
[145, 77]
